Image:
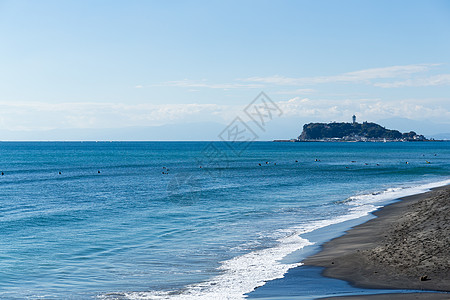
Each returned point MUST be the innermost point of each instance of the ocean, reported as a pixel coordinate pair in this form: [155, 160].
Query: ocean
[187, 220]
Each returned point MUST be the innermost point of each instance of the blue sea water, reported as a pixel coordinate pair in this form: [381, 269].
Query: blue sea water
[180, 220]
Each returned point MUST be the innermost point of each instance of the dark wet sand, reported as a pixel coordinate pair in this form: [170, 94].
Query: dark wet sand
[411, 296]
[408, 239]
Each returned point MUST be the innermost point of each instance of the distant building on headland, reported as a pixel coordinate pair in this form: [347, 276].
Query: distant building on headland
[354, 119]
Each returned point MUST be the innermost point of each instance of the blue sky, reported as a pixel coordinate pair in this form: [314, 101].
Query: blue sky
[112, 64]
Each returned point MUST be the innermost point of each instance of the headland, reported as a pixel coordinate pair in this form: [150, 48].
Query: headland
[354, 132]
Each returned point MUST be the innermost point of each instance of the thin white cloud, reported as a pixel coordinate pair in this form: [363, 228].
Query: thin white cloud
[389, 72]
[45, 116]
[204, 84]
[297, 91]
[369, 76]
[356, 76]
[442, 79]
[365, 109]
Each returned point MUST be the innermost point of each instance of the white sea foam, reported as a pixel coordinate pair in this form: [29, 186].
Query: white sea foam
[244, 273]
[393, 193]
[240, 275]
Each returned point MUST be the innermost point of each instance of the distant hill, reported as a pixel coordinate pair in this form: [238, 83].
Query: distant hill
[441, 136]
[354, 132]
[205, 131]
[425, 127]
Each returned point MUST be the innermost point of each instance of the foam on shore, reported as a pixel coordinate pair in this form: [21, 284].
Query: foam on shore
[405, 247]
[241, 275]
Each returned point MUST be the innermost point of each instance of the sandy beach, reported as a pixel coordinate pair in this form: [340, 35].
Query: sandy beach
[405, 247]
[407, 296]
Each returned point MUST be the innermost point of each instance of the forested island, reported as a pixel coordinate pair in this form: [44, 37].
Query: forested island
[353, 132]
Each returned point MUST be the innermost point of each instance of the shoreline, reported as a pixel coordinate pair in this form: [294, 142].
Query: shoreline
[406, 240]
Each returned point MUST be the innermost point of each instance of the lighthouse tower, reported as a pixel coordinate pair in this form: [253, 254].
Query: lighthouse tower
[354, 119]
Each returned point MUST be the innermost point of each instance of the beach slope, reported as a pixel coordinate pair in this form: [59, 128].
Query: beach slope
[406, 247]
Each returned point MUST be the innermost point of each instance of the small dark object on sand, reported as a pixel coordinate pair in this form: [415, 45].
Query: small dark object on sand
[424, 278]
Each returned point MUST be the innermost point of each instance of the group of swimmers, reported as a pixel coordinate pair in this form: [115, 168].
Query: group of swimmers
[166, 170]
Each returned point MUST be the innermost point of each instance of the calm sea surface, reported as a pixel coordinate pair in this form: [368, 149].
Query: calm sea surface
[159, 220]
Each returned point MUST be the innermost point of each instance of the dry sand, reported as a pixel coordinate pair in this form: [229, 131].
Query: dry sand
[409, 239]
